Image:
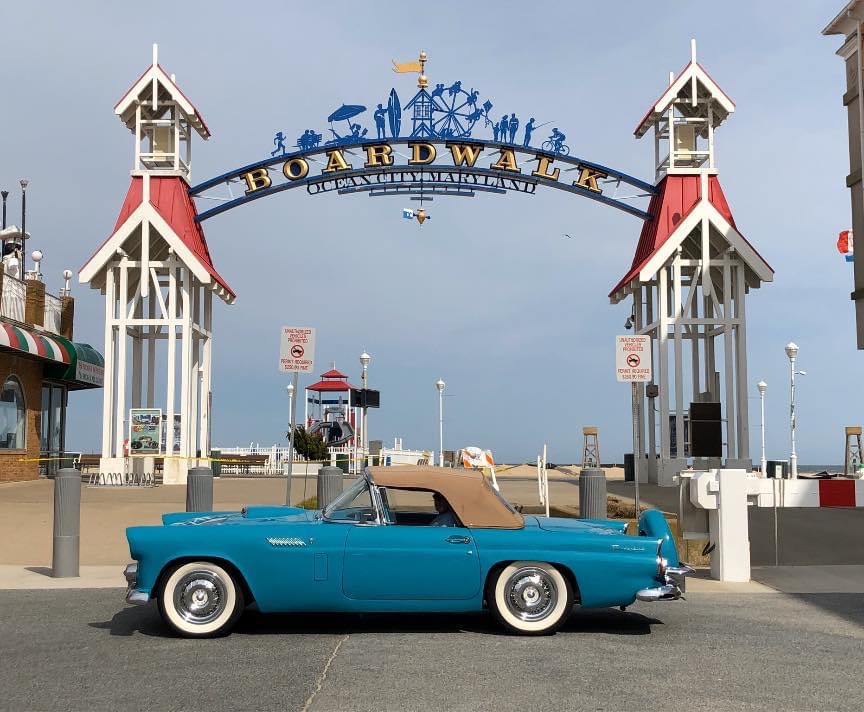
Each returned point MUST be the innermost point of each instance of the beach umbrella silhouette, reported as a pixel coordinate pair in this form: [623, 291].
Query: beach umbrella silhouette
[346, 112]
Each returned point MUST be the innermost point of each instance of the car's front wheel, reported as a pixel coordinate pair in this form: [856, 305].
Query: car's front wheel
[200, 599]
[531, 597]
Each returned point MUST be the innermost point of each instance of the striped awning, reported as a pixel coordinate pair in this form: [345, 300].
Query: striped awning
[52, 348]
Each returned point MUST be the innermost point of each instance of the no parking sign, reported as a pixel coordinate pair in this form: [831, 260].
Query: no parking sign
[297, 349]
[633, 358]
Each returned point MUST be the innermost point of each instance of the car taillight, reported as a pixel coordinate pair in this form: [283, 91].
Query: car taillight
[661, 568]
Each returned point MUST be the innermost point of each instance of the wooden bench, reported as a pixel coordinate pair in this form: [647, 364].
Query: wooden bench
[87, 461]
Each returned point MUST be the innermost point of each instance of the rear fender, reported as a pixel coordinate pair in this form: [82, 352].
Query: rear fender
[653, 524]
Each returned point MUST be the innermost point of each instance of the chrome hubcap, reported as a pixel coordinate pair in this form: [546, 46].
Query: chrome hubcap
[200, 597]
[531, 594]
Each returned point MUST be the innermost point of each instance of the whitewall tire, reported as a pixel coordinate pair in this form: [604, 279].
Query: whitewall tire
[200, 600]
[531, 597]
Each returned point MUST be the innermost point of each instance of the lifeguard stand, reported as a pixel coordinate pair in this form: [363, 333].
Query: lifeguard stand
[689, 280]
[590, 447]
[159, 281]
[852, 446]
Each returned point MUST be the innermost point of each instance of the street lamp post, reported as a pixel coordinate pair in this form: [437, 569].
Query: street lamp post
[792, 353]
[24, 182]
[365, 360]
[762, 386]
[440, 385]
[4, 194]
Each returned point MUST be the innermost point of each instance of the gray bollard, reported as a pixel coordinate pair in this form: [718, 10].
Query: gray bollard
[199, 490]
[67, 523]
[592, 494]
[329, 485]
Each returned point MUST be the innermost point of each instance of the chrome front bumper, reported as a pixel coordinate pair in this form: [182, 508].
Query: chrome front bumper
[133, 595]
[671, 590]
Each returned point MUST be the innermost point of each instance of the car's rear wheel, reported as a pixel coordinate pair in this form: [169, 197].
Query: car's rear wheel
[531, 597]
[200, 599]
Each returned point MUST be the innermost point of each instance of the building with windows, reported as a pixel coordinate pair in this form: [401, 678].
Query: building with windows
[39, 365]
[849, 25]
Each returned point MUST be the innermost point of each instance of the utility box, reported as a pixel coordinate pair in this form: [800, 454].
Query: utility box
[777, 468]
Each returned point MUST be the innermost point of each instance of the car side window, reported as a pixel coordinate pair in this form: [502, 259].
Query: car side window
[417, 508]
[353, 505]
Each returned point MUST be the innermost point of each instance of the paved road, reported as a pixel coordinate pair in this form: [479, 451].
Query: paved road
[77, 650]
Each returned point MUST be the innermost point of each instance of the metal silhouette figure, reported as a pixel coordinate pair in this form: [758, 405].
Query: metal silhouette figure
[529, 129]
[308, 140]
[445, 112]
[279, 142]
[454, 114]
[503, 128]
[514, 127]
[555, 143]
[380, 113]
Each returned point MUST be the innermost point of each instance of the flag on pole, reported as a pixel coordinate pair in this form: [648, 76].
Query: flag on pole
[845, 245]
[406, 67]
[407, 213]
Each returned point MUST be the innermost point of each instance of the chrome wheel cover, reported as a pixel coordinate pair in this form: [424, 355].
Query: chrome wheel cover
[200, 597]
[531, 594]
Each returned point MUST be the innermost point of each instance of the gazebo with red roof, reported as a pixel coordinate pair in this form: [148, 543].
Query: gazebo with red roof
[158, 277]
[688, 280]
[332, 383]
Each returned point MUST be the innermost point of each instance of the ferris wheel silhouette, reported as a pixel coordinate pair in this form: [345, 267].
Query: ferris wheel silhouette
[455, 111]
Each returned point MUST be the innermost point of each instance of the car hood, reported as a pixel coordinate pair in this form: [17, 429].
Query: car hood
[582, 526]
[248, 515]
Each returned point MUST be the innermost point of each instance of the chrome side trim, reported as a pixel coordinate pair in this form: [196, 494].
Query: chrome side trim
[290, 541]
[667, 592]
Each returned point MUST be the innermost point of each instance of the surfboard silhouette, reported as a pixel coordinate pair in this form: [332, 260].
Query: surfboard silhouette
[394, 113]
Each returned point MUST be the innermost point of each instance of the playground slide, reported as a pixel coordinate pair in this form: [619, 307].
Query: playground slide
[336, 433]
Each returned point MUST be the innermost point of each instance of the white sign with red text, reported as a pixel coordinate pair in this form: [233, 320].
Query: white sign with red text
[633, 358]
[297, 349]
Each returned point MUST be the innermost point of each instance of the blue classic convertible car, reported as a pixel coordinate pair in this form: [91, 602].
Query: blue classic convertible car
[368, 553]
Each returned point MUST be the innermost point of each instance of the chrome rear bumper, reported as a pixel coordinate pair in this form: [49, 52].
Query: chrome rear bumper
[672, 589]
[133, 595]
[666, 592]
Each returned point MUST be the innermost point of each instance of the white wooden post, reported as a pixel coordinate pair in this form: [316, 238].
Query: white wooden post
[110, 375]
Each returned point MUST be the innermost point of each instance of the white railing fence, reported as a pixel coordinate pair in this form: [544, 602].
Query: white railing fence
[13, 298]
[53, 312]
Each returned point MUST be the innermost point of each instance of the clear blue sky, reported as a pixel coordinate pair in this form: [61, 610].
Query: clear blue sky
[488, 295]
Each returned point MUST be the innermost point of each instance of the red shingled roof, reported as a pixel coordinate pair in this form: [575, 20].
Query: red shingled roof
[170, 197]
[333, 373]
[332, 386]
[677, 197]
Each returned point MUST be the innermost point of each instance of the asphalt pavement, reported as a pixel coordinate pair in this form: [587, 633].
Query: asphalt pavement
[84, 650]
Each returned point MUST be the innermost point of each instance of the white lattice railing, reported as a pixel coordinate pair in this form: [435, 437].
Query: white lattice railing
[13, 298]
[53, 312]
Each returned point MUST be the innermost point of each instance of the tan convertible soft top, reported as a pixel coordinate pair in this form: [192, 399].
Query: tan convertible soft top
[468, 492]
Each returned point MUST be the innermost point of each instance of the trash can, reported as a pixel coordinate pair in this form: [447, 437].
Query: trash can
[592, 493]
[777, 468]
[329, 485]
[629, 467]
[216, 462]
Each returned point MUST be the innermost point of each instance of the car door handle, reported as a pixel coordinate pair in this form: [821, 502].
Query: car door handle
[457, 539]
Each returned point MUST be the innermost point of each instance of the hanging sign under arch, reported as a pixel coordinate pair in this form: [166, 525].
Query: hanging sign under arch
[441, 155]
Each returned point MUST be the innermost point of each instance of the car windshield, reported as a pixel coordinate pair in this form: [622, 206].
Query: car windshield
[353, 505]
